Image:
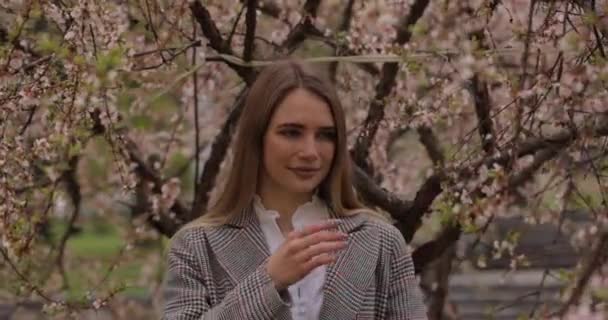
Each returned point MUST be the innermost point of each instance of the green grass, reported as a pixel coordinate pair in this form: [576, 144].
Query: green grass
[99, 241]
[94, 245]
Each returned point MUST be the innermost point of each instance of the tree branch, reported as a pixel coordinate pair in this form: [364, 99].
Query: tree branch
[211, 32]
[305, 27]
[524, 175]
[481, 97]
[441, 272]
[218, 152]
[236, 23]
[250, 21]
[596, 259]
[165, 224]
[299, 33]
[197, 129]
[431, 144]
[383, 88]
[547, 148]
[30, 117]
[411, 219]
[313, 33]
[347, 16]
[378, 196]
[73, 190]
[433, 249]
[311, 7]
[557, 140]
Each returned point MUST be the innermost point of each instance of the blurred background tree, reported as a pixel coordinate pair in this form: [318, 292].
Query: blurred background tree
[116, 118]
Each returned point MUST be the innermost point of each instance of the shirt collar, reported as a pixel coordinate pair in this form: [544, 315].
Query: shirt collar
[306, 214]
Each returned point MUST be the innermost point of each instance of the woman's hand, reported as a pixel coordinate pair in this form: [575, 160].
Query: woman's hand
[303, 251]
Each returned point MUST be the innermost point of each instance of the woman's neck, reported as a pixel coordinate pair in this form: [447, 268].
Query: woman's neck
[285, 204]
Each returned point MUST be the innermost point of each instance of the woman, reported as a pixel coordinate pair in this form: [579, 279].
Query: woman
[288, 239]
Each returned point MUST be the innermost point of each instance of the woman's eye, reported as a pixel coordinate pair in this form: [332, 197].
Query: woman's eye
[329, 135]
[290, 133]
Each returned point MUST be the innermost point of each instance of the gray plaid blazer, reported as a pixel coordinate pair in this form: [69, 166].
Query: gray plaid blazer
[219, 273]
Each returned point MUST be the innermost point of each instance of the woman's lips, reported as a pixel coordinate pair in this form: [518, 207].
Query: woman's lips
[304, 173]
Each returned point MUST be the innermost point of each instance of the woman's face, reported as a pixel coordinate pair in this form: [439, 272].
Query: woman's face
[299, 144]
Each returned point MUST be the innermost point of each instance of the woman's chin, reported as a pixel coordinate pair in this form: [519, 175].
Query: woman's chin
[301, 188]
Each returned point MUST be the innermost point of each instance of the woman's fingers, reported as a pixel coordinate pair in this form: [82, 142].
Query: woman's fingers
[321, 248]
[318, 237]
[305, 250]
[326, 225]
[319, 260]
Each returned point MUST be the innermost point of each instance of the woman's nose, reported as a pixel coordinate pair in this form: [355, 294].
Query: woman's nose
[309, 148]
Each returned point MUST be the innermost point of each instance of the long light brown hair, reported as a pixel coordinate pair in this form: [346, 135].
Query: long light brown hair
[272, 85]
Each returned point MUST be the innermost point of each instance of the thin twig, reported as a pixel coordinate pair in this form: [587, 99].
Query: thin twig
[196, 121]
[236, 23]
[29, 120]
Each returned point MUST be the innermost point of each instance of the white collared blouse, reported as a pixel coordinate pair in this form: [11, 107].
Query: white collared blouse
[306, 294]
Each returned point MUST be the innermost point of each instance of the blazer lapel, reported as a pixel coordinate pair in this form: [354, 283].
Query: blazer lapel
[348, 278]
[239, 246]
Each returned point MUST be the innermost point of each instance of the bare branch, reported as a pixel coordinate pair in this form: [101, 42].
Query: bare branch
[412, 218]
[441, 272]
[29, 119]
[73, 190]
[524, 75]
[524, 175]
[433, 249]
[347, 16]
[299, 33]
[305, 27]
[311, 7]
[171, 50]
[163, 223]
[431, 144]
[596, 259]
[218, 152]
[236, 23]
[197, 129]
[211, 32]
[382, 198]
[23, 277]
[250, 21]
[481, 97]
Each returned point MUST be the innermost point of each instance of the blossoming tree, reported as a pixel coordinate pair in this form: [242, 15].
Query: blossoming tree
[459, 113]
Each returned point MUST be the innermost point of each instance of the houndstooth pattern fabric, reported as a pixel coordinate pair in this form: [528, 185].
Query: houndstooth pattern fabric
[219, 273]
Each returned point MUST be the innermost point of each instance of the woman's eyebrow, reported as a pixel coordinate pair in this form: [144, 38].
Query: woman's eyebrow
[290, 125]
[328, 128]
[301, 126]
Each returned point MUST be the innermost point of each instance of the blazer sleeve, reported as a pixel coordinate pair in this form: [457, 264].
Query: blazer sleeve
[405, 300]
[186, 296]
